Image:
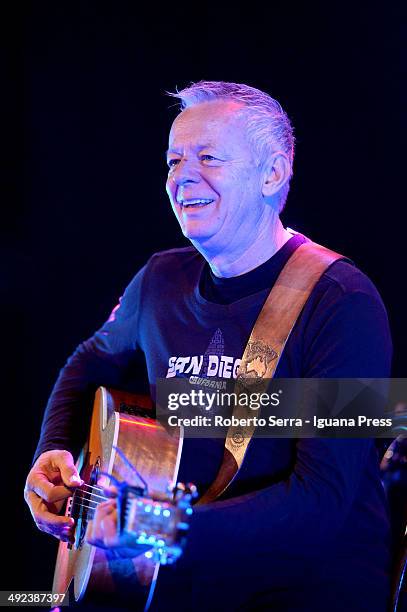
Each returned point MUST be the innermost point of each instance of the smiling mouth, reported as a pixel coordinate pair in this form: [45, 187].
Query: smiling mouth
[195, 203]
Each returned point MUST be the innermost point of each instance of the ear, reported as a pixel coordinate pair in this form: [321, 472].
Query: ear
[276, 174]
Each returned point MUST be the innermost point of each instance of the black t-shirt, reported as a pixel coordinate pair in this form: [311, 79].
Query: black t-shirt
[304, 526]
[227, 290]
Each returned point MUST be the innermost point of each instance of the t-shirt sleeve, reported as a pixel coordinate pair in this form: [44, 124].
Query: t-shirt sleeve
[110, 357]
[346, 336]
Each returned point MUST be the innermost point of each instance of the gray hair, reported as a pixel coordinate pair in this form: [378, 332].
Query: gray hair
[268, 126]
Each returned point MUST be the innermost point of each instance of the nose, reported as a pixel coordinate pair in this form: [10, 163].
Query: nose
[184, 172]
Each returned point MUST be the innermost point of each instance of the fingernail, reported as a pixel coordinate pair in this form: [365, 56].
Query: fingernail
[75, 479]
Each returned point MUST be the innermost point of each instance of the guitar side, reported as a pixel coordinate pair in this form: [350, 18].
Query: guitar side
[124, 421]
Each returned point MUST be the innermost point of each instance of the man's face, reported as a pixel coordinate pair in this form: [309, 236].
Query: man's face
[214, 183]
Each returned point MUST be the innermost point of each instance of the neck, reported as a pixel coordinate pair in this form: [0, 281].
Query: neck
[234, 261]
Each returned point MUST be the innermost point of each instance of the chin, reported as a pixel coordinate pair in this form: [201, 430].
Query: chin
[199, 234]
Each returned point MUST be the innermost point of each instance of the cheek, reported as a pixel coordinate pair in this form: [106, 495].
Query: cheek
[170, 188]
[239, 179]
[176, 210]
[248, 186]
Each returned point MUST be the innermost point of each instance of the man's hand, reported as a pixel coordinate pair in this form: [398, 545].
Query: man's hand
[102, 531]
[48, 484]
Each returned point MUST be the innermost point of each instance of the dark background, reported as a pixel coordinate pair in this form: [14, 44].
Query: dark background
[85, 125]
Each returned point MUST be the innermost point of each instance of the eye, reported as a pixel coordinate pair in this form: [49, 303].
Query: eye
[173, 162]
[208, 157]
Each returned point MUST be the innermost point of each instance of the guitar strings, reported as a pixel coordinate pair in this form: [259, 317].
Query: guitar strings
[85, 484]
[90, 487]
[93, 488]
[80, 495]
[85, 506]
[91, 494]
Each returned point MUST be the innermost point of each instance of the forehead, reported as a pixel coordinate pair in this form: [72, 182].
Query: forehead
[209, 123]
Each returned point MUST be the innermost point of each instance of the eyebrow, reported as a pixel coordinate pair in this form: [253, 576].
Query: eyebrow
[198, 147]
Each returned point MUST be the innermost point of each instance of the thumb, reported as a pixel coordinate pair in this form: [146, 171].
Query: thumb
[69, 473]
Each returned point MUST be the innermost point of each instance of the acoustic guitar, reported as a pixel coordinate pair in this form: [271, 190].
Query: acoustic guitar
[129, 448]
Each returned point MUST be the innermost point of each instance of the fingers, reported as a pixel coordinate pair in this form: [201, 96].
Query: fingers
[40, 484]
[52, 474]
[46, 520]
[109, 526]
[63, 461]
[102, 530]
[46, 488]
[49, 482]
[110, 491]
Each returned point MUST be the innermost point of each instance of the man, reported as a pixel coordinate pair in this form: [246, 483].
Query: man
[303, 526]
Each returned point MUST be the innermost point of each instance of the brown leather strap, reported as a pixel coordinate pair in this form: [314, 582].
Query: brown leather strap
[265, 346]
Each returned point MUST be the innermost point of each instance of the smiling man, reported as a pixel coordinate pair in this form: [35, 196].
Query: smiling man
[303, 527]
[226, 199]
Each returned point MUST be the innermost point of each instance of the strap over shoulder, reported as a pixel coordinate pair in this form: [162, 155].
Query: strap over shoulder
[266, 344]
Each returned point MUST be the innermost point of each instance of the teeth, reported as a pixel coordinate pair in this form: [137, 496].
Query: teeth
[195, 202]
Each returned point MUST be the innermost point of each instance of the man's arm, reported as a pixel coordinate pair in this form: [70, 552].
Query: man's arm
[108, 358]
[350, 338]
[283, 526]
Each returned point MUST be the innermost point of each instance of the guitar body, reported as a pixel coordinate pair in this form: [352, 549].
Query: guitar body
[124, 421]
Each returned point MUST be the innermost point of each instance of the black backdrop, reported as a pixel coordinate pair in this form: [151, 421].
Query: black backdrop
[85, 125]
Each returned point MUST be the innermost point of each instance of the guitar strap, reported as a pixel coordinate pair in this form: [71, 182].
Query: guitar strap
[266, 344]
